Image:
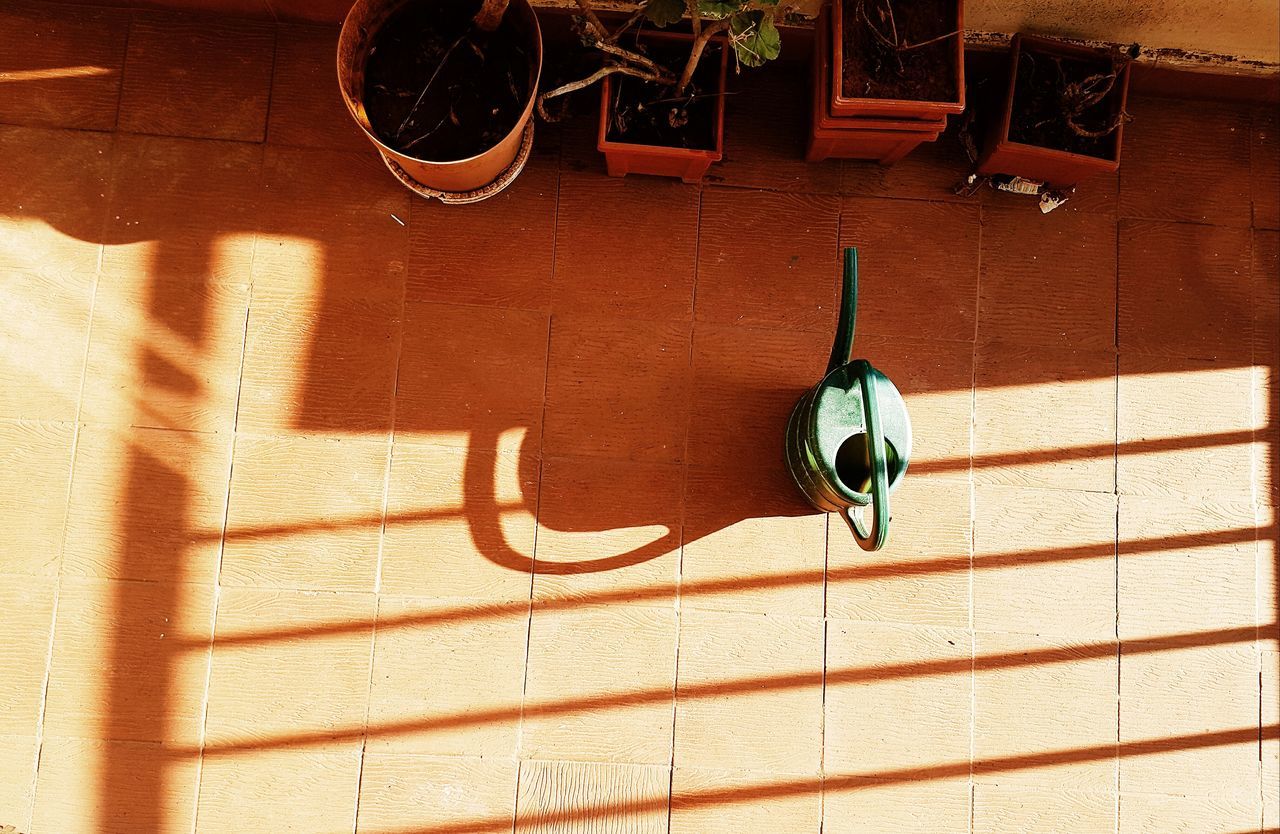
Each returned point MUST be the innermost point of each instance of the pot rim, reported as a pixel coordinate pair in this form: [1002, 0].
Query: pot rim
[355, 105]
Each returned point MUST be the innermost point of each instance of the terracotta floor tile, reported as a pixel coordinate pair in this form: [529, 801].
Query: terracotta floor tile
[43, 346]
[917, 266]
[290, 669]
[447, 679]
[128, 661]
[1184, 568]
[1045, 417]
[587, 798]
[643, 268]
[618, 389]
[445, 537]
[1265, 301]
[278, 790]
[1186, 160]
[197, 76]
[1191, 693]
[63, 65]
[88, 787]
[1183, 429]
[748, 274]
[54, 203]
[166, 355]
[1048, 280]
[306, 105]
[320, 11]
[599, 686]
[854, 806]
[147, 504]
[697, 806]
[764, 133]
[746, 383]
[1018, 713]
[305, 513]
[1045, 562]
[26, 625]
[322, 363]
[749, 692]
[497, 253]
[36, 460]
[1184, 290]
[930, 172]
[922, 574]
[879, 719]
[935, 379]
[18, 756]
[470, 374]
[998, 809]
[182, 209]
[1264, 153]
[751, 543]
[608, 532]
[1143, 813]
[329, 222]
[398, 791]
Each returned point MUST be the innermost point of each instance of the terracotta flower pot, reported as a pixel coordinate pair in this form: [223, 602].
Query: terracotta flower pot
[842, 105]
[689, 164]
[462, 180]
[852, 137]
[1052, 166]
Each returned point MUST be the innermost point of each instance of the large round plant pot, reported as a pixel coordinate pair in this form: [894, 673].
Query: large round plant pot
[456, 181]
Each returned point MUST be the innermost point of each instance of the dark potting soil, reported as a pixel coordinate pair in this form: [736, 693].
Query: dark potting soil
[1039, 112]
[873, 69]
[645, 113]
[476, 82]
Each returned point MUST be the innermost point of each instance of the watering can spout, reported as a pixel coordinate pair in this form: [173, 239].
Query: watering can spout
[843, 346]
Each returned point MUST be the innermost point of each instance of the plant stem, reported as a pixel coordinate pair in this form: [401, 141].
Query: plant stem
[490, 15]
[695, 52]
[592, 21]
[591, 79]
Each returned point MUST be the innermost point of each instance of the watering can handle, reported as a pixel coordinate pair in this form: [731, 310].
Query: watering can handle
[875, 538]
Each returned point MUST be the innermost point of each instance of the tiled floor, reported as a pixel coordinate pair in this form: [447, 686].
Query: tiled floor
[327, 509]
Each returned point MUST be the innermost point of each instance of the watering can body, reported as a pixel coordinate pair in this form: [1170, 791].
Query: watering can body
[849, 437]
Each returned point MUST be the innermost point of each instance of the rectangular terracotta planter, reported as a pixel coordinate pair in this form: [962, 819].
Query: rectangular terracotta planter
[1051, 166]
[834, 137]
[891, 108]
[622, 158]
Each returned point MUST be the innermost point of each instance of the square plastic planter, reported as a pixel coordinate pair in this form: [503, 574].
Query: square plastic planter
[851, 137]
[1054, 167]
[622, 158]
[891, 108]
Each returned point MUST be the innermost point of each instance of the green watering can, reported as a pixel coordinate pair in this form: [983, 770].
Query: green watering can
[849, 436]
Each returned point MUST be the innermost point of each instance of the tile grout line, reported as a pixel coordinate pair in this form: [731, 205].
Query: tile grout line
[537, 525]
[226, 510]
[973, 513]
[382, 529]
[124, 62]
[1115, 480]
[76, 426]
[684, 501]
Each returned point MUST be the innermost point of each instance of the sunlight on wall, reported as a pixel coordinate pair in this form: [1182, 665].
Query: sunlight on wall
[86, 71]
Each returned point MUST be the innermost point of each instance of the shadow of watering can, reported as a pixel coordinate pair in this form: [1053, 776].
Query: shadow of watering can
[849, 436]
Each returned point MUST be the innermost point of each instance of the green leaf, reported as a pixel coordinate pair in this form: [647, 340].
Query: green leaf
[664, 12]
[718, 9]
[755, 39]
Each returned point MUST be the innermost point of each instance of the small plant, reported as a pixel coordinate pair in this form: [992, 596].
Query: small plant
[749, 26]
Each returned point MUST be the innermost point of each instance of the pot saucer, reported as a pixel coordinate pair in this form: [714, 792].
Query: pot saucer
[459, 198]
